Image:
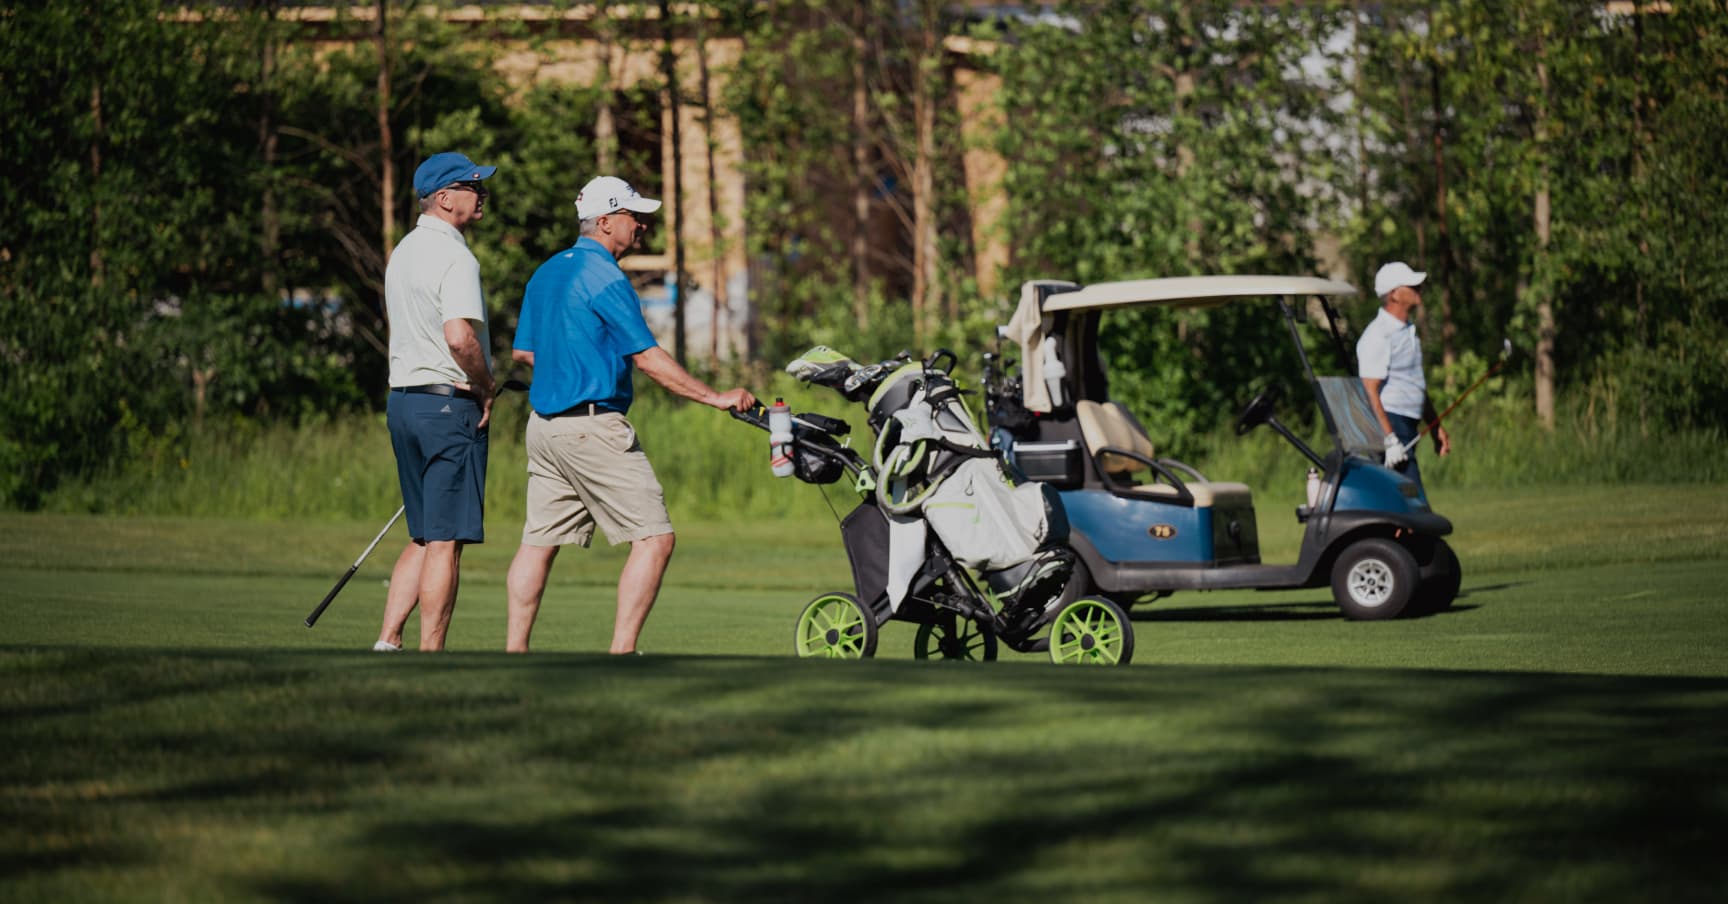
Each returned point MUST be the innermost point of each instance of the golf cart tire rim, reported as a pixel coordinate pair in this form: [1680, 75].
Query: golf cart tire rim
[1370, 583]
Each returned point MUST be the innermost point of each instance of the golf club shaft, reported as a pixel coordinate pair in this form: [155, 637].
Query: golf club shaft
[343, 582]
[508, 386]
[1436, 422]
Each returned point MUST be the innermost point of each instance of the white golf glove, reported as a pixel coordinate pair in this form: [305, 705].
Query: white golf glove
[1396, 454]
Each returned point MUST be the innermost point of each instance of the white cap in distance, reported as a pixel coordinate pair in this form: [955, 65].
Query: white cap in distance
[1394, 275]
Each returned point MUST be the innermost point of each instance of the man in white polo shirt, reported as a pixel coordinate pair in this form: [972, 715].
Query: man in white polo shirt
[1389, 359]
[440, 395]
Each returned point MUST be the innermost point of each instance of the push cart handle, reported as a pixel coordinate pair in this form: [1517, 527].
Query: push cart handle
[756, 415]
[938, 355]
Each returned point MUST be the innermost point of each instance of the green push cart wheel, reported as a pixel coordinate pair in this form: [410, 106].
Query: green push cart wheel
[952, 637]
[836, 626]
[1091, 631]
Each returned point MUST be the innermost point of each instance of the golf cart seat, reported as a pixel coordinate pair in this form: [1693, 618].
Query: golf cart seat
[1120, 448]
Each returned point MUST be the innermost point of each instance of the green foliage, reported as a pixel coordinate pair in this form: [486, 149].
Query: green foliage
[115, 224]
[201, 235]
[1606, 114]
[1163, 139]
[792, 94]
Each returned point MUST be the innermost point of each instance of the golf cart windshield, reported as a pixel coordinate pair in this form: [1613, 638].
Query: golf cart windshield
[1359, 433]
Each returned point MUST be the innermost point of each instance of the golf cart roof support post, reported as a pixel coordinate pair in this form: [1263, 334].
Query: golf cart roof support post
[1345, 358]
[1313, 384]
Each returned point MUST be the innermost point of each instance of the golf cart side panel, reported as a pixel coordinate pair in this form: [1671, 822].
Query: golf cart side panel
[1135, 578]
[1123, 529]
[1369, 487]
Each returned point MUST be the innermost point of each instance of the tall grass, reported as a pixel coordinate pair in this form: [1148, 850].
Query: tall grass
[711, 466]
[714, 468]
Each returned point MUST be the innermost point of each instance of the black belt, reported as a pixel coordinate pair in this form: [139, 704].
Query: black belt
[585, 409]
[439, 389]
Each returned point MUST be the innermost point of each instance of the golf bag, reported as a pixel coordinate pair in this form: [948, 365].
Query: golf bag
[933, 472]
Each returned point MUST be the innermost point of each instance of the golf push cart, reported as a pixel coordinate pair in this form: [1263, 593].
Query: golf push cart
[942, 535]
[1143, 526]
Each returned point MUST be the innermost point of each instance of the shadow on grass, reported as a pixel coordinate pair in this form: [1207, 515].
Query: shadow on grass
[1321, 609]
[1267, 612]
[484, 777]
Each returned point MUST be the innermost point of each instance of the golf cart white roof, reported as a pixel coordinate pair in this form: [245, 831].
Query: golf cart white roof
[1032, 320]
[1191, 291]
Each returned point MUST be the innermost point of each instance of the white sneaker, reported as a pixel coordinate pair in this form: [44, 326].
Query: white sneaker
[385, 646]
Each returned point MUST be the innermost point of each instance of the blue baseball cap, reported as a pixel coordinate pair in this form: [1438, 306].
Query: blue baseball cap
[445, 169]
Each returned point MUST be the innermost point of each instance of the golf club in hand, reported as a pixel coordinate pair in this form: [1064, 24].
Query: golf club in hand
[1505, 354]
[508, 386]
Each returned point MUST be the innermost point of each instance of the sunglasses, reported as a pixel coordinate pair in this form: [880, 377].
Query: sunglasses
[474, 187]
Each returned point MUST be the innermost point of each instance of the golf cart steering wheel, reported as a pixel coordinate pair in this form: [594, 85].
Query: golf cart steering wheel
[1259, 409]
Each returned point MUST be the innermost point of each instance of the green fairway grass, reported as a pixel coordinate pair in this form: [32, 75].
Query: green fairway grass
[171, 731]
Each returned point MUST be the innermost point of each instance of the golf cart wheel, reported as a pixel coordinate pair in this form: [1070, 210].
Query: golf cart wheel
[1445, 576]
[1374, 579]
[1091, 631]
[952, 637]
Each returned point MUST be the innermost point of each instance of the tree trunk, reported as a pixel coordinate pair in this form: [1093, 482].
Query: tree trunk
[1545, 326]
[1361, 116]
[1443, 280]
[201, 378]
[96, 136]
[605, 127]
[862, 177]
[719, 290]
[1185, 87]
[1544, 313]
[926, 289]
[1640, 98]
[269, 217]
[669, 64]
[1413, 144]
[386, 143]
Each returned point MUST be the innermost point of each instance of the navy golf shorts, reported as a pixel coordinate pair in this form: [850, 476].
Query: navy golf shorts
[441, 465]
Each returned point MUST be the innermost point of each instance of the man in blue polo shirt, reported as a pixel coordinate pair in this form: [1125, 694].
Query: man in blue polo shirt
[1389, 360]
[582, 331]
[440, 395]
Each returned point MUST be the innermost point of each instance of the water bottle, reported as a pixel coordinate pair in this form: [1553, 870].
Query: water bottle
[1313, 487]
[780, 438]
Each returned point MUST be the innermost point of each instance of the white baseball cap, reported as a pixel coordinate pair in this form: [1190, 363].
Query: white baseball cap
[1394, 275]
[606, 194]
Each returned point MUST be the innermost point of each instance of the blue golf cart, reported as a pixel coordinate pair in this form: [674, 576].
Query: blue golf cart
[1145, 526]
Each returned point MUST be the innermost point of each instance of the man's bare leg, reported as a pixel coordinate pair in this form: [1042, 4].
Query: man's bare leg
[524, 585]
[638, 586]
[440, 573]
[404, 592]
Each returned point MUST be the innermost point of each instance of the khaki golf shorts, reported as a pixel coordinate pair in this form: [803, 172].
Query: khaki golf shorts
[588, 471]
